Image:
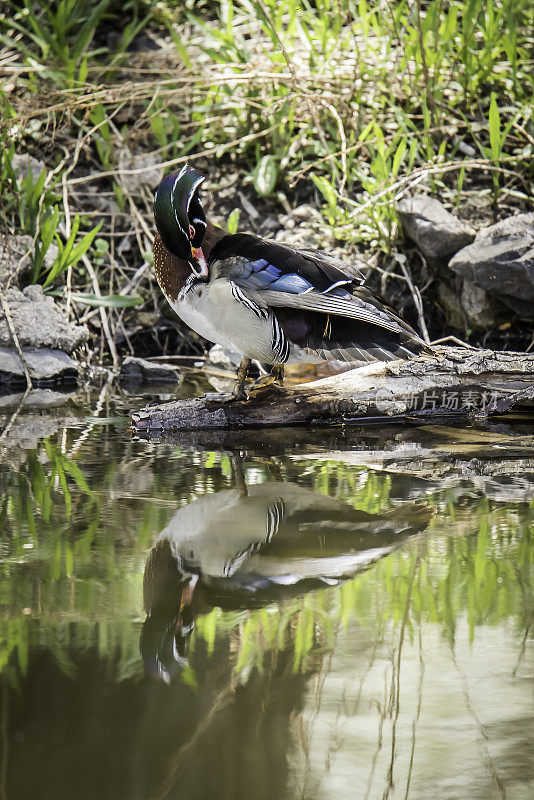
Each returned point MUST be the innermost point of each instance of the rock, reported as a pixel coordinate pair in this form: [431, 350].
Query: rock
[147, 319]
[509, 226]
[479, 308]
[467, 306]
[39, 322]
[450, 302]
[436, 232]
[151, 176]
[501, 261]
[23, 163]
[224, 358]
[138, 370]
[47, 367]
[15, 258]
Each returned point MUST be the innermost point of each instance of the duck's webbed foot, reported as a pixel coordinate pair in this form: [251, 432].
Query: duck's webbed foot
[274, 378]
[238, 392]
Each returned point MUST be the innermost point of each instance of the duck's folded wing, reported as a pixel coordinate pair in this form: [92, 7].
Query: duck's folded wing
[354, 306]
[319, 308]
[275, 275]
[348, 326]
[262, 263]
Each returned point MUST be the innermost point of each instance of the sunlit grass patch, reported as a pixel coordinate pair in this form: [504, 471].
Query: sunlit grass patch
[341, 107]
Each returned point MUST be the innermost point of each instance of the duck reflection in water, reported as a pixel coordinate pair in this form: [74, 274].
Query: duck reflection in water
[251, 546]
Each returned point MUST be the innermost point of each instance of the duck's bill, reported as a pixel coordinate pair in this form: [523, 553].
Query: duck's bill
[198, 263]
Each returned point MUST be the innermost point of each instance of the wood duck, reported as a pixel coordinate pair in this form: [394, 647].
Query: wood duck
[266, 300]
[253, 545]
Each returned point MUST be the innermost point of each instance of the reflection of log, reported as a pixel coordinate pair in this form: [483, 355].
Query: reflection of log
[456, 381]
[418, 459]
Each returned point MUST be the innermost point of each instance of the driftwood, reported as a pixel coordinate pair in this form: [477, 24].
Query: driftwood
[455, 382]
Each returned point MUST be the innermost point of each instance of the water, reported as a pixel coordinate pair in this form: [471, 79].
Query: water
[297, 614]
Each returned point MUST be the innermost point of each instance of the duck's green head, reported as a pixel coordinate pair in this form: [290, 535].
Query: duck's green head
[180, 218]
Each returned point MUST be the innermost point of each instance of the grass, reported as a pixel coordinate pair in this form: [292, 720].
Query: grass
[342, 106]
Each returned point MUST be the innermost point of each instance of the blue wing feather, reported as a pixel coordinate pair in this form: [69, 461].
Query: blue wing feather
[291, 283]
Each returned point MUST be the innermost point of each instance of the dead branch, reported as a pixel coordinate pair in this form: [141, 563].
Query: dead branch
[455, 382]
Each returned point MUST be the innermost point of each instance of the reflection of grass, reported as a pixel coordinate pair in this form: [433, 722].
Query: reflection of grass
[487, 575]
[76, 534]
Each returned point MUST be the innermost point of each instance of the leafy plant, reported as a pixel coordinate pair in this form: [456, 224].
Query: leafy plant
[57, 34]
[69, 253]
[34, 206]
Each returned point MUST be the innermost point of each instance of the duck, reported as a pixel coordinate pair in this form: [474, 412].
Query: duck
[270, 302]
[250, 546]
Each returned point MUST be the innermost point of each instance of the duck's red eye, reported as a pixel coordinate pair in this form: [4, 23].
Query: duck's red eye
[191, 232]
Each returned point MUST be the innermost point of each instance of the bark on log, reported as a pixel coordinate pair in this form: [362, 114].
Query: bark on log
[456, 382]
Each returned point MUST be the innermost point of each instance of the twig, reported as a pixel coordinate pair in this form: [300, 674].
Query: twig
[67, 234]
[343, 140]
[15, 338]
[416, 295]
[209, 151]
[455, 340]
[423, 172]
[103, 315]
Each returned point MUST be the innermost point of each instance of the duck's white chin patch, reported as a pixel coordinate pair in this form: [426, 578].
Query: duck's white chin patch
[198, 259]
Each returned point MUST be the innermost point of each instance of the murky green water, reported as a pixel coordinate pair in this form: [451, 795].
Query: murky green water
[280, 615]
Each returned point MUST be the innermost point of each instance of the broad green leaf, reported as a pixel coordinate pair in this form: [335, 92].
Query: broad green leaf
[494, 128]
[233, 221]
[326, 189]
[108, 300]
[265, 176]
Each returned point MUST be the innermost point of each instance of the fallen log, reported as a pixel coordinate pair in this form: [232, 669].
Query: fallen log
[456, 382]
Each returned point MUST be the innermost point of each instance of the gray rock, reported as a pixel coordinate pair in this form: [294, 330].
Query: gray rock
[152, 173]
[468, 306]
[479, 308]
[39, 322]
[436, 232]
[224, 358]
[501, 261]
[22, 163]
[450, 303]
[46, 367]
[509, 226]
[138, 370]
[15, 258]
